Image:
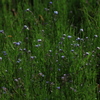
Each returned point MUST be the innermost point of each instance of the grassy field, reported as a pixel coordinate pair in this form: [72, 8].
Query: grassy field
[49, 50]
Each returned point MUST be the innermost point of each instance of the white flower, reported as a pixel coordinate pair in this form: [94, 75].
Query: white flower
[46, 9]
[26, 27]
[38, 45]
[78, 38]
[0, 58]
[64, 35]
[96, 36]
[33, 57]
[27, 9]
[98, 48]
[81, 30]
[69, 36]
[50, 50]
[87, 53]
[72, 50]
[56, 12]
[39, 40]
[62, 56]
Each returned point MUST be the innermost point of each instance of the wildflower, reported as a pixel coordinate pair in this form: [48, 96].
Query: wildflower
[73, 89]
[50, 50]
[81, 30]
[63, 38]
[17, 43]
[63, 78]
[52, 83]
[42, 30]
[9, 35]
[20, 68]
[58, 87]
[59, 69]
[0, 58]
[63, 57]
[39, 40]
[82, 39]
[78, 38]
[69, 36]
[47, 82]
[32, 57]
[19, 78]
[98, 48]
[60, 42]
[50, 2]
[87, 53]
[56, 12]
[64, 35]
[96, 36]
[46, 9]
[56, 60]
[20, 49]
[4, 88]
[29, 51]
[1, 31]
[38, 45]
[41, 74]
[27, 9]
[16, 80]
[60, 50]
[19, 60]
[4, 52]
[24, 49]
[76, 45]
[6, 70]
[65, 75]
[26, 27]
[72, 50]
[86, 37]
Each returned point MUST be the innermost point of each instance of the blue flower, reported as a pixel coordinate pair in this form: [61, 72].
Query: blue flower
[58, 87]
[1, 31]
[50, 2]
[69, 36]
[17, 43]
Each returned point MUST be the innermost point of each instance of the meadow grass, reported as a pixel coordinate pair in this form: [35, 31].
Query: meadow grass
[50, 50]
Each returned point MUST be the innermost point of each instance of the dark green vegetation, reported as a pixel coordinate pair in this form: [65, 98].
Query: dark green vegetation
[49, 50]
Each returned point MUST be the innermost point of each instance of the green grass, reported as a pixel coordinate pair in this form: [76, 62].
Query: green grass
[53, 57]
